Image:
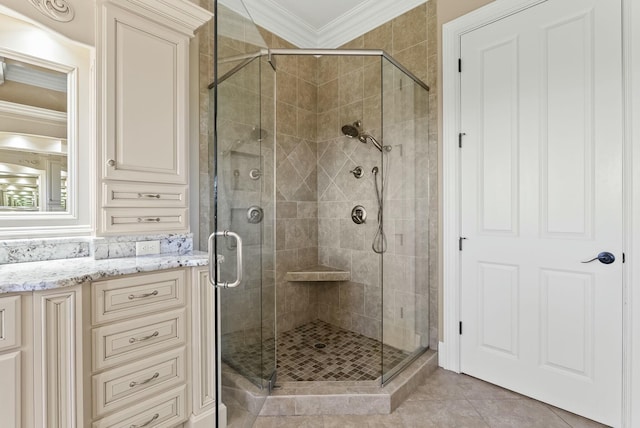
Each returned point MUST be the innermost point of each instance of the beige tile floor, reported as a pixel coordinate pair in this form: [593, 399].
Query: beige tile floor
[449, 400]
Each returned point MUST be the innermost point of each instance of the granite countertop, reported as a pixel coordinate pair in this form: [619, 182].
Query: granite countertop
[46, 275]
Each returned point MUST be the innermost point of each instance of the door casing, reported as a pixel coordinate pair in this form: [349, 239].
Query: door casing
[449, 349]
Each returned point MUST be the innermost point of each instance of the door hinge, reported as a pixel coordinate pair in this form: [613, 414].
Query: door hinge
[460, 135]
[624, 258]
[459, 65]
[460, 327]
[462, 238]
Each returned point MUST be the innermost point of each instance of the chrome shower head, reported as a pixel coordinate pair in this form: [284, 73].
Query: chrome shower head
[352, 131]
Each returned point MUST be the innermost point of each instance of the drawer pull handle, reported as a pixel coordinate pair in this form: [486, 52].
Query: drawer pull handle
[156, 416]
[149, 195]
[142, 339]
[142, 296]
[134, 383]
[148, 219]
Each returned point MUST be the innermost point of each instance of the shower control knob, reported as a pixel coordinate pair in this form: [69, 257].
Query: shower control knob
[357, 172]
[255, 214]
[358, 214]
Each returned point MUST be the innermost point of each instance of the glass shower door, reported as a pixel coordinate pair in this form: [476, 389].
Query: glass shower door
[242, 248]
[243, 245]
[405, 264]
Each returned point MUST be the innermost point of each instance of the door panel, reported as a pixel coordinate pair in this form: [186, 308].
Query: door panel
[566, 321]
[541, 192]
[498, 308]
[498, 202]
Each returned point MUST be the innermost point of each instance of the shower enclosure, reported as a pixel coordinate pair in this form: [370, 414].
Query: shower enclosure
[318, 170]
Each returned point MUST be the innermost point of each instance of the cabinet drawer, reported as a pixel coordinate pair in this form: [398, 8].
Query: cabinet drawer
[121, 298]
[118, 343]
[118, 387]
[165, 410]
[143, 220]
[10, 331]
[143, 195]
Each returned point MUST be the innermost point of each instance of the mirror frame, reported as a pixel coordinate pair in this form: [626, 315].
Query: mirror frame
[27, 41]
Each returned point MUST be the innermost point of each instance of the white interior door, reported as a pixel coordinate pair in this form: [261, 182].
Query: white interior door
[542, 192]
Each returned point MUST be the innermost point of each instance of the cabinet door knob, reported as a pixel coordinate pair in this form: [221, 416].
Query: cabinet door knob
[111, 162]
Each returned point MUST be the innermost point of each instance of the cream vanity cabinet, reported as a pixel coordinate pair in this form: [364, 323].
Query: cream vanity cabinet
[41, 359]
[129, 351]
[143, 81]
[152, 351]
[11, 357]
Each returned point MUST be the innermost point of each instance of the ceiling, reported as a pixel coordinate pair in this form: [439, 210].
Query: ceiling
[326, 23]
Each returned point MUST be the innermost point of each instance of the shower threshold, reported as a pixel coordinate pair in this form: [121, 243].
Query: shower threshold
[349, 397]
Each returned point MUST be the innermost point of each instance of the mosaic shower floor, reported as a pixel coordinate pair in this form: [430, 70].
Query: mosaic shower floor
[345, 356]
[316, 351]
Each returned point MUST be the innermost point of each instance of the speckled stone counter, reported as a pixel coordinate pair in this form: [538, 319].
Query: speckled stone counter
[46, 275]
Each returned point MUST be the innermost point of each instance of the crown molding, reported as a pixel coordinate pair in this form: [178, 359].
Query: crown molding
[37, 113]
[185, 16]
[354, 23]
[282, 23]
[30, 76]
[362, 19]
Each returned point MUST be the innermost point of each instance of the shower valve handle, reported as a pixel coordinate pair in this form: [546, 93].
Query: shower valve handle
[358, 214]
[357, 172]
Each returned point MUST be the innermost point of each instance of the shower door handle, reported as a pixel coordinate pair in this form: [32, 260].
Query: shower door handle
[215, 260]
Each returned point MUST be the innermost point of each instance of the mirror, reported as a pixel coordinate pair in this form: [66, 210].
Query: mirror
[47, 139]
[33, 137]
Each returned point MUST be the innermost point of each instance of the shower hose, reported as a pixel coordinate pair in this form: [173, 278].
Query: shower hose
[379, 244]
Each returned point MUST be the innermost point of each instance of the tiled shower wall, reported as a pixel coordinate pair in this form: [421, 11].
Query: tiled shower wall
[349, 90]
[296, 190]
[315, 98]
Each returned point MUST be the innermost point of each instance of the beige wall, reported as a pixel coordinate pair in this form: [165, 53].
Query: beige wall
[447, 10]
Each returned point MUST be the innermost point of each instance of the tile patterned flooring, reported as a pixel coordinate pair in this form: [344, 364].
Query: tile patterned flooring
[449, 400]
[346, 355]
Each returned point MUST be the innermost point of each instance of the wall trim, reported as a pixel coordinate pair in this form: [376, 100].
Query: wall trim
[631, 195]
[451, 33]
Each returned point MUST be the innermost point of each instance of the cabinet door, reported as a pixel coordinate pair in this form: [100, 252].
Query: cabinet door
[145, 85]
[10, 330]
[10, 407]
[203, 344]
[58, 357]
